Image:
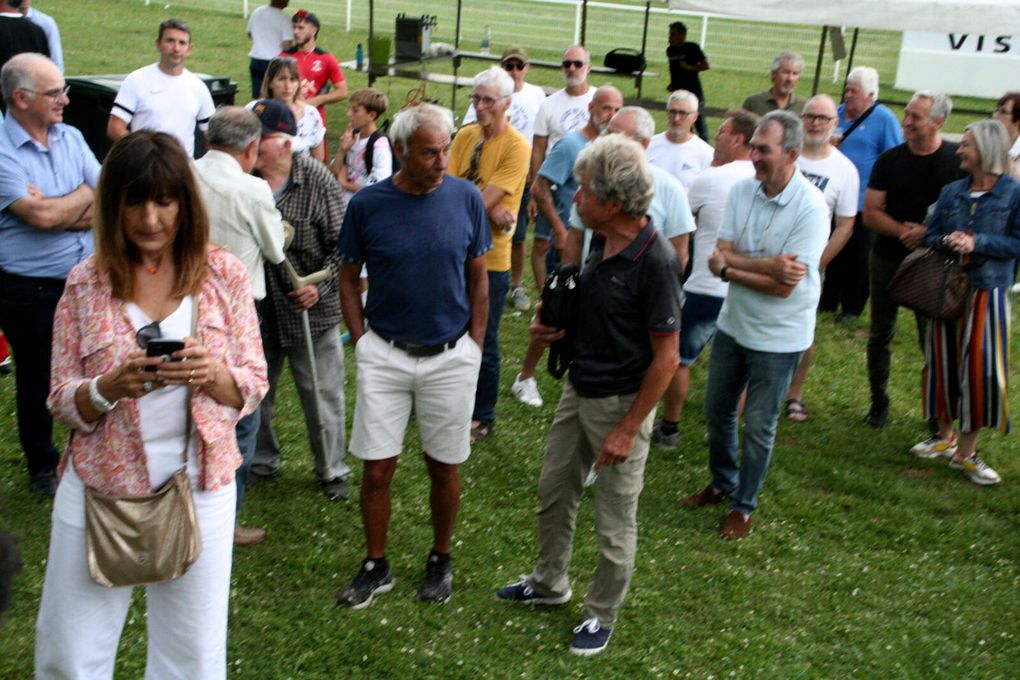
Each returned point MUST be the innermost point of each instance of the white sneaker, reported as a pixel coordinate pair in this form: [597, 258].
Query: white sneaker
[935, 447]
[526, 391]
[519, 299]
[1016, 288]
[978, 471]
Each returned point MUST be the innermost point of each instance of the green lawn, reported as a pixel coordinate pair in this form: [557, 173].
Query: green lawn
[863, 561]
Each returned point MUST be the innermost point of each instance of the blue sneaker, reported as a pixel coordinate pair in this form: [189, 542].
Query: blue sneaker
[523, 593]
[590, 638]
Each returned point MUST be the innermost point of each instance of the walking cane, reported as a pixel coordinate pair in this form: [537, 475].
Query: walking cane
[298, 281]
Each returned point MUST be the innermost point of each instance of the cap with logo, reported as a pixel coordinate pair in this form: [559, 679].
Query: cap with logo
[275, 117]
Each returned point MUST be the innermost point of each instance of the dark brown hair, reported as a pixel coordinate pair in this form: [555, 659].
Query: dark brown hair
[143, 166]
[1015, 98]
[277, 64]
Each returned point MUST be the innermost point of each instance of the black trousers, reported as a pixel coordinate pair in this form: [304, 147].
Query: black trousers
[846, 277]
[27, 306]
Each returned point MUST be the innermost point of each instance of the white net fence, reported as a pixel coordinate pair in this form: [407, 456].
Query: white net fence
[546, 27]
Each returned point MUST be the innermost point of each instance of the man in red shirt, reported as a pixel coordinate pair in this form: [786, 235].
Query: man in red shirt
[316, 66]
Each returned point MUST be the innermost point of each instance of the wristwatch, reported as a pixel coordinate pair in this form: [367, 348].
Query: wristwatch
[99, 402]
[722, 272]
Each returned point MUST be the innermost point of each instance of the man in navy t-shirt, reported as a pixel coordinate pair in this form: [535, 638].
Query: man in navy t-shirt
[418, 337]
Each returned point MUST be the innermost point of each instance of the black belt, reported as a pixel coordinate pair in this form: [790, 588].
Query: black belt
[415, 350]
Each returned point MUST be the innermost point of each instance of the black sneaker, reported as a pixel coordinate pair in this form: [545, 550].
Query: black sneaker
[335, 489]
[437, 586]
[374, 578]
[877, 415]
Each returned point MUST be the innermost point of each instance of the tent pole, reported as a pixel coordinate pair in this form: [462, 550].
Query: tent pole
[850, 60]
[456, 61]
[371, 41]
[818, 64]
[644, 42]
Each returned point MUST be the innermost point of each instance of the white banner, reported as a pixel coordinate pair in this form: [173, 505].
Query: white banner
[965, 64]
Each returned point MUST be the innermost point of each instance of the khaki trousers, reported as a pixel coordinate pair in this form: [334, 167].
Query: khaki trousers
[577, 433]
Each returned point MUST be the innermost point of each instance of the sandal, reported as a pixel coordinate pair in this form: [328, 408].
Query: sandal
[482, 430]
[796, 410]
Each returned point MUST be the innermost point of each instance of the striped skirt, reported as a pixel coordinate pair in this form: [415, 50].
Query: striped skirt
[966, 362]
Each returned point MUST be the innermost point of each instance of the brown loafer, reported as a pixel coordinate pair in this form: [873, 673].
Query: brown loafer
[248, 536]
[707, 496]
[735, 527]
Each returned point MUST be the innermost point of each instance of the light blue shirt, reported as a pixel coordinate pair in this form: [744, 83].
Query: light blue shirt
[795, 221]
[670, 211]
[878, 133]
[56, 171]
[49, 27]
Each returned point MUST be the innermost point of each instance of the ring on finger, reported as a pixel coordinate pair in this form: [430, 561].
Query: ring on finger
[147, 386]
[191, 376]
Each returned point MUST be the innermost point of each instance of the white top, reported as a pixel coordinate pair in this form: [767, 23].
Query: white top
[154, 100]
[561, 114]
[1014, 154]
[269, 27]
[49, 26]
[795, 222]
[836, 177]
[523, 110]
[684, 161]
[382, 163]
[163, 412]
[242, 215]
[669, 210]
[707, 197]
[310, 131]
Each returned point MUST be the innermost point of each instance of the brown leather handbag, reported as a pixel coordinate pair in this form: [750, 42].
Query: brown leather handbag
[139, 540]
[931, 283]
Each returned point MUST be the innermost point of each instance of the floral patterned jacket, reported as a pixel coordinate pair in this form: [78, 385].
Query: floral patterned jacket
[92, 334]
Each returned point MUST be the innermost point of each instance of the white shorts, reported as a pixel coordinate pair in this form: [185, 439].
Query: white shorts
[441, 389]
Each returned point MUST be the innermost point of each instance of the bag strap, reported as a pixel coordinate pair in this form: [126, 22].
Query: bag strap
[860, 119]
[191, 389]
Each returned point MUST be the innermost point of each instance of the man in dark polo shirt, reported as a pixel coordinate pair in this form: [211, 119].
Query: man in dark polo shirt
[627, 349]
[904, 182]
[423, 234]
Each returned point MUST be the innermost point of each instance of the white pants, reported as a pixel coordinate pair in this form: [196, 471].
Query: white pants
[80, 622]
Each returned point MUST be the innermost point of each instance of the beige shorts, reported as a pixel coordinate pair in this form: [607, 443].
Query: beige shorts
[441, 389]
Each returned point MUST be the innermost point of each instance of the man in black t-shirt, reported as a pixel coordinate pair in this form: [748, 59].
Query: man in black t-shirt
[627, 349]
[18, 34]
[904, 182]
[686, 61]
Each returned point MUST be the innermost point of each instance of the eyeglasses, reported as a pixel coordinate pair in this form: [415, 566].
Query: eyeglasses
[488, 102]
[576, 63]
[514, 66]
[816, 118]
[678, 113]
[54, 94]
[149, 331]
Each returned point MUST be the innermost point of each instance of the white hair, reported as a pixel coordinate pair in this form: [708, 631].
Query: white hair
[683, 96]
[867, 78]
[408, 121]
[496, 77]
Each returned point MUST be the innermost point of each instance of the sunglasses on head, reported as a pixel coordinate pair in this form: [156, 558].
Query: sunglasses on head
[514, 66]
[576, 63]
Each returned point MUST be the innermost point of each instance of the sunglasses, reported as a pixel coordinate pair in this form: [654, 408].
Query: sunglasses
[149, 331]
[476, 157]
[576, 63]
[514, 66]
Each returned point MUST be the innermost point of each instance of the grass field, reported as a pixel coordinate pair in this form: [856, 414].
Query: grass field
[863, 563]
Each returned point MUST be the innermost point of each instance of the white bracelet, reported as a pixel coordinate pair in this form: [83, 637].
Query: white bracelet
[99, 402]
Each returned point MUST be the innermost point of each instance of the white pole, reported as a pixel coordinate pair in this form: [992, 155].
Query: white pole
[577, 22]
[244, 8]
[704, 30]
[348, 22]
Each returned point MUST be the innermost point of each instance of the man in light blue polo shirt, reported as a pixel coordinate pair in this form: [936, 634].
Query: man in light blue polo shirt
[772, 236]
[47, 177]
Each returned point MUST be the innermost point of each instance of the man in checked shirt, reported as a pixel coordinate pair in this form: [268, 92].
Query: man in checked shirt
[309, 198]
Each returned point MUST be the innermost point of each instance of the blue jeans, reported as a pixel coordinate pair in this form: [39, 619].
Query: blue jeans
[767, 376]
[488, 377]
[246, 431]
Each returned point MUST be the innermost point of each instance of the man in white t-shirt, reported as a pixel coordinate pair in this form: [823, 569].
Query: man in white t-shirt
[164, 96]
[270, 32]
[524, 105]
[704, 292]
[679, 151]
[562, 112]
[836, 177]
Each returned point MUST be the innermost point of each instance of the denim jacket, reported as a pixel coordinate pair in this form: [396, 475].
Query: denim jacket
[994, 220]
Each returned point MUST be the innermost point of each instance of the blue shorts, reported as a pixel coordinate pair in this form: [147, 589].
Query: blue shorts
[697, 324]
[543, 230]
[521, 232]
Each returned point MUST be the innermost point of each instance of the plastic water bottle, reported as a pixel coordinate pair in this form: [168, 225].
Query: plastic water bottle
[359, 57]
[486, 40]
